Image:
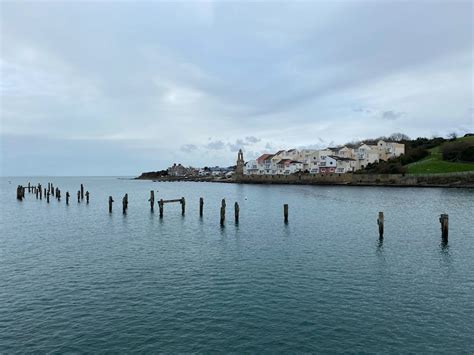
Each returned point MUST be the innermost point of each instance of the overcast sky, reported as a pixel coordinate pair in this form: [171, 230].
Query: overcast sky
[116, 88]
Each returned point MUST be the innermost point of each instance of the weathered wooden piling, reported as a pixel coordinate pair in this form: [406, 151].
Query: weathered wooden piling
[47, 196]
[45, 192]
[444, 219]
[380, 221]
[19, 193]
[222, 212]
[152, 200]
[40, 192]
[236, 211]
[36, 192]
[125, 203]
[29, 188]
[52, 189]
[285, 212]
[87, 197]
[201, 206]
[67, 197]
[58, 194]
[111, 200]
[82, 192]
[160, 205]
[183, 206]
[78, 196]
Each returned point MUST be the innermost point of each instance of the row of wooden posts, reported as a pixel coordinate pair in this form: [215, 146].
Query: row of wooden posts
[50, 191]
[182, 201]
[20, 194]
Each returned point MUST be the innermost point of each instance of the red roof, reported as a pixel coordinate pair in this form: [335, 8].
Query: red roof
[264, 157]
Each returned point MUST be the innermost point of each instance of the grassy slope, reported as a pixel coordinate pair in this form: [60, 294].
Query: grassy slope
[434, 163]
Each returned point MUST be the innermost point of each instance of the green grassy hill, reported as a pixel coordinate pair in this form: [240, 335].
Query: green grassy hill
[434, 163]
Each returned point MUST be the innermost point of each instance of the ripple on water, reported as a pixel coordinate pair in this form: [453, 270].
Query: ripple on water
[76, 279]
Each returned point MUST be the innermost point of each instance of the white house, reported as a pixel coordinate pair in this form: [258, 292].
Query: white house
[327, 165]
[288, 166]
[344, 165]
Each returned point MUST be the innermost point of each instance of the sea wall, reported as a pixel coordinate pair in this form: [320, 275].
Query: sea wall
[464, 179]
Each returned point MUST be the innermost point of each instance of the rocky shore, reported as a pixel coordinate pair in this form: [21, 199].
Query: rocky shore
[464, 179]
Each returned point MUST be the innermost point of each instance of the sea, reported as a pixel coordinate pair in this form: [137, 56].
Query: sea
[78, 279]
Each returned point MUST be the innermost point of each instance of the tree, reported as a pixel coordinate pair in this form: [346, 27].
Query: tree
[452, 136]
[397, 137]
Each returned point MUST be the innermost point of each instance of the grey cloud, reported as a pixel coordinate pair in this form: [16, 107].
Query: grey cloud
[252, 139]
[392, 115]
[187, 148]
[234, 147]
[362, 110]
[215, 145]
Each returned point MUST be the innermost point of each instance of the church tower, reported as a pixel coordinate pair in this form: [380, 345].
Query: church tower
[239, 170]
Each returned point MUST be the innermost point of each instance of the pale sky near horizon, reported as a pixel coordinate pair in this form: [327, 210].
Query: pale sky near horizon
[121, 87]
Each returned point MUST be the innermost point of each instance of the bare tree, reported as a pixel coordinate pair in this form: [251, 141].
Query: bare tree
[397, 137]
[453, 135]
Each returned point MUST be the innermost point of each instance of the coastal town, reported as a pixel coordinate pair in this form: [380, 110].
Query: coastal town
[341, 160]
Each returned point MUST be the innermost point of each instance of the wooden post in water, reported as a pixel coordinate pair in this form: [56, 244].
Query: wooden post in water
[183, 205]
[47, 196]
[36, 192]
[222, 212]
[236, 210]
[82, 192]
[160, 205]
[49, 186]
[78, 196]
[380, 221]
[125, 203]
[444, 219]
[285, 212]
[201, 206]
[18, 193]
[58, 194]
[45, 192]
[29, 187]
[152, 200]
[87, 197]
[67, 197]
[40, 191]
[52, 189]
[111, 200]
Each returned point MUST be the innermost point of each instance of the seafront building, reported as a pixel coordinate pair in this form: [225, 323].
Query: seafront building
[330, 160]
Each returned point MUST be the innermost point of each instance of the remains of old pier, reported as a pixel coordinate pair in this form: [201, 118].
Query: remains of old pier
[444, 219]
[222, 212]
[380, 224]
[56, 192]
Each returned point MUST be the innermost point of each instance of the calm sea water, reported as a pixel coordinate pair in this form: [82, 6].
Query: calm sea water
[78, 279]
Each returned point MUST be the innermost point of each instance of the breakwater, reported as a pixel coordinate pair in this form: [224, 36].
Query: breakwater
[463, 179]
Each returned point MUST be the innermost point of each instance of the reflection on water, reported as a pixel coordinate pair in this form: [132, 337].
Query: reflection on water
[380, 245]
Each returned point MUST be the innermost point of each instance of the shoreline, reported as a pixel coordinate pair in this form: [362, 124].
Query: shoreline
[451, 180]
